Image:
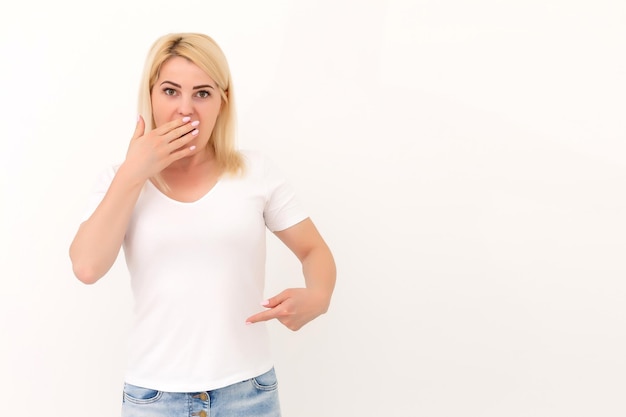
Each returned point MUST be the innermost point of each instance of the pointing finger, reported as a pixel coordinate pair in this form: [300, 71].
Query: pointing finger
[262, 316]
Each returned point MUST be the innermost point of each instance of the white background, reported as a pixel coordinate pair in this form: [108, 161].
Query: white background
[465, 161]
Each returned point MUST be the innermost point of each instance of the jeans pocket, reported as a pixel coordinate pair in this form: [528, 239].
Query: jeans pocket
[266, 381]
[141, 395]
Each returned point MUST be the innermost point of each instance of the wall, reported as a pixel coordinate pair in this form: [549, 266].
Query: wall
[464, 160]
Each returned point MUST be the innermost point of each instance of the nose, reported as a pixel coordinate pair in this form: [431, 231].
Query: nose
[185, 106]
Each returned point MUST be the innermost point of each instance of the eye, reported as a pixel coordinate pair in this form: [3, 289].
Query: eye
[169, 91]
[203, 94]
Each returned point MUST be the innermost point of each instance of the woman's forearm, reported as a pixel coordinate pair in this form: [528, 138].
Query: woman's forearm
[320, 272]
[99, 239]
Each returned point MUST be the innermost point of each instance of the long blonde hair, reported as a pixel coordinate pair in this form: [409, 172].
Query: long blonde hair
[204, 52]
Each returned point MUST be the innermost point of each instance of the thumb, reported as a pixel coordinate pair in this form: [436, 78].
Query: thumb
[140, 128]
[276, 300]
[270, 304]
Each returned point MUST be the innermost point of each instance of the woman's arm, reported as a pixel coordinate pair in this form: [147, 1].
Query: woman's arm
[295, 307]
[99, 239]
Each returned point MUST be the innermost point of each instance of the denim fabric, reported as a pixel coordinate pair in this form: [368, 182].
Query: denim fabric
[256, 397]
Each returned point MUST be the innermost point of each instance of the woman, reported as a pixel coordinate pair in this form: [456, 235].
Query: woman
[191, 212]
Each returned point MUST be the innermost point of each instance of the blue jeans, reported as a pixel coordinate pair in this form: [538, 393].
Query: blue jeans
[256, 397]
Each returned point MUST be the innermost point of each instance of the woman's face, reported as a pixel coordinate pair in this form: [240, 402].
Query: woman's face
[183, 89]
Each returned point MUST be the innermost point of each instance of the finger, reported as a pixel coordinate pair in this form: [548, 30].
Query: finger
[140, 128]
[275, 306]
[181, 153]
[167, 128]
[276, 300]
[181, 131]
[182, 142]
[262, 316]
[187, 132]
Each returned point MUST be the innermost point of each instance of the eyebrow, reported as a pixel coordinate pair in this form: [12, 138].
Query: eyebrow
[194, 88]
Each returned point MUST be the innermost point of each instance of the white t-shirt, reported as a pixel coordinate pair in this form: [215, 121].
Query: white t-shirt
[197, 272]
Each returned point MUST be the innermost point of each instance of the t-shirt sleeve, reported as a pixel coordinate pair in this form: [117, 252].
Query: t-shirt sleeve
[101, 186]
[282, 207]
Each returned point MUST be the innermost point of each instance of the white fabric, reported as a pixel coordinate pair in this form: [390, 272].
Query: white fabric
[197, 272]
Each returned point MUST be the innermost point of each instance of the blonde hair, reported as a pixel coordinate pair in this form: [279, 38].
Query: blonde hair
[204, 52]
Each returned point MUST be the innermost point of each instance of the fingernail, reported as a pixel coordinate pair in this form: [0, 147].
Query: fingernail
[195, 123]
[192, 147]
[195, 132]
[266, 302]
[248, 323]
[186, 119]
[138, 117]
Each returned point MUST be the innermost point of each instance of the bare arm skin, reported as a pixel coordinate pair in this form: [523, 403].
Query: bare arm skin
[98, 240]
[295, 307]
